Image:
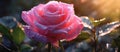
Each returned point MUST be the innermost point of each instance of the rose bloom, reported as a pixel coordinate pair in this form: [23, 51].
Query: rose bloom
[52, 22]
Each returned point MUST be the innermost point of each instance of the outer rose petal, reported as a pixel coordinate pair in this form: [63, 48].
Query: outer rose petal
[34, 35]
[26, 17]
[75, 30]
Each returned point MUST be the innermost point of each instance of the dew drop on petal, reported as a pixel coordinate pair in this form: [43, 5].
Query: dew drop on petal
[101, 31]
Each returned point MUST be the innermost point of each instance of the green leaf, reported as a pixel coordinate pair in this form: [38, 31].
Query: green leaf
[18, 35]
[8, 21]
[100, 22]
[83, 36]
[116, 42]
[25, 48]
[86, 22]
[5, 31]
[108, 28]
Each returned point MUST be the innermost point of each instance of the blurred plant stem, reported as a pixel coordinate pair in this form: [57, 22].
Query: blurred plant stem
[95, 40]
[56, 49]
[61, 46]
[18, 48]
[49, 47]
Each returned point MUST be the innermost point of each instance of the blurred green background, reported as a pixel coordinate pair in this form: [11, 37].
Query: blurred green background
[92, 8]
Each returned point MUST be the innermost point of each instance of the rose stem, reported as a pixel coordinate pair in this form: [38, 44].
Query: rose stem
[61, 46]
[49, 47]
[95, 40]
[55, 49]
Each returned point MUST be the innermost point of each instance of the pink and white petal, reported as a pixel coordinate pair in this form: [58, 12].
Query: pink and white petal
[59, 18]
[51, 7]
[29, 17]
[38, 12]
[26, 18]
[34, 35]
[66, 22]
[75, 31]
[42, 29]
[59, 9]
[55, 19]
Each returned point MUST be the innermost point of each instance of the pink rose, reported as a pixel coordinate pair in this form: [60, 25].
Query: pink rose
[52, 22]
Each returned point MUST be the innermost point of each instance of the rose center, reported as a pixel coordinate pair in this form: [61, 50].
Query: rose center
[52, 8]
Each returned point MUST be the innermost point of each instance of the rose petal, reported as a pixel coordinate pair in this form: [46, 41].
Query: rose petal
[34, 35]
[40, 18]
[71, 31]
[67, 18]
[75, 30]
[42, 29]
[51, 7]
[26, 18]
[29, 17]
[40, 26]
[54, 19]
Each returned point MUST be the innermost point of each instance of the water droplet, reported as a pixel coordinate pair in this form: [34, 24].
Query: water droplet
[100, 31]
[108, 29]
[62, 40]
